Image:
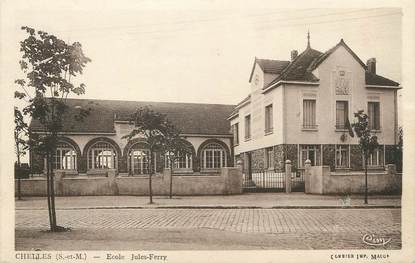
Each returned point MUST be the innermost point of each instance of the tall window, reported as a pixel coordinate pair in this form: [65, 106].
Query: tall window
[309, 114]
[269, 157]
[374, 115]
[102, 156]
[213, 156]
[247, 127]
[342, 112]
[342, 156]
[64, 157]
[310, 152]
[139, 160]
[182, 162]
[268, 119]
[376, 158]
[235, 131]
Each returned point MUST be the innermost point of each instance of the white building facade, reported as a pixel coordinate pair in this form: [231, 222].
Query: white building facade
[302, 109]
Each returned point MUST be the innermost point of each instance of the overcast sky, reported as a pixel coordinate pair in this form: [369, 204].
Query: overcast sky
[200, 51]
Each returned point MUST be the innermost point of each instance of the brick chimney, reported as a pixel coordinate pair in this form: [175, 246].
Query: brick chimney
[294, 54]
[371, 65]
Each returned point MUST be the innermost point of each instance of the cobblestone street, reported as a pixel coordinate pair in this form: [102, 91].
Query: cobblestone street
[283, 228]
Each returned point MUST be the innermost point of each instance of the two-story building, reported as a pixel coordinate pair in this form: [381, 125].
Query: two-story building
[301, 109]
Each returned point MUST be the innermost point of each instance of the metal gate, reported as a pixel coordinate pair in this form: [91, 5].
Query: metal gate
[263, 180]
[297, 180]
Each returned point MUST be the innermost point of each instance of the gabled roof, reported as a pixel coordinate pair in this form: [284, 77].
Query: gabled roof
[326, 54]
[297, 70]
[269, 66]
[190, 118]
[301, 68]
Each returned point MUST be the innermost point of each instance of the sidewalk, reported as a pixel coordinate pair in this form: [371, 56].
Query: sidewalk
[247, 200]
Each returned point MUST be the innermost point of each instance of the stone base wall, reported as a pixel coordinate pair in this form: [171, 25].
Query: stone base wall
[320, 180]
[227, 181]
[283, 152]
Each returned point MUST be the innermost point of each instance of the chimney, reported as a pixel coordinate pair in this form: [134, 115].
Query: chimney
[294, 54]
[371, 65]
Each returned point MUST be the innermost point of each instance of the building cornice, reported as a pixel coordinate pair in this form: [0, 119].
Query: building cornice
[206, 135]
[289, 82]
[79, 133]
[383, 87]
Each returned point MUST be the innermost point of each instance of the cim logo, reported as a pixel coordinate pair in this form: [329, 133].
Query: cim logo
[372, 240]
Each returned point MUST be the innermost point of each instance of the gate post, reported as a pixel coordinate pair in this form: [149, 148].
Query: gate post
[288, 176]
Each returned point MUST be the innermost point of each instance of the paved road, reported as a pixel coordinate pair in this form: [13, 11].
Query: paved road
[318, 228]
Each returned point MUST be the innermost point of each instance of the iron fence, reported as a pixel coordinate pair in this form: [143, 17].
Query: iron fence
[263, 180]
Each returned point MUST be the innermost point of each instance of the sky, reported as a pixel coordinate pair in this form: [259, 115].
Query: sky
[199, 51]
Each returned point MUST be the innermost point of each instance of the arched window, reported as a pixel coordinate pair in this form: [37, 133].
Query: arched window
[139, 160]
[102, 155]
[182, 162]
[64, 157]
[213, 156]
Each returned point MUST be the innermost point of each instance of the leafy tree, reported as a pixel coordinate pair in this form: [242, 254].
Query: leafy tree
[174, 148]
[49, 64]
[21, 145]
[367, 141]
[154, 128]
[399, 150]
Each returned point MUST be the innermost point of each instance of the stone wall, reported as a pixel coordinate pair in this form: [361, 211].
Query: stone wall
[320, 180]
[227, 181]
[279, 157]
[258, 159]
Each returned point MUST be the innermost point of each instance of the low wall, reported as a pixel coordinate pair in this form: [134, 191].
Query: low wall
[319, 180]
[228, 181]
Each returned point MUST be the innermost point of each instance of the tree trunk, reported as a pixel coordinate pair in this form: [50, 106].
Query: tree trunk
[171, 179]
[19, 192]
[48, 192]
[52, 192]
[150, 190]
[366, 180]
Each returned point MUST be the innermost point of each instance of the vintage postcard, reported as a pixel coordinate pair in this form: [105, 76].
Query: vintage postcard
[205, 131]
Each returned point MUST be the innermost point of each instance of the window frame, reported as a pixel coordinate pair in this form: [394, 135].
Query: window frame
[339, 147]
[247, 121]
[188, 161]
[235, 131]
[60, 148]
[377, 117]
[222, 158]
[306, 123]
[345, 114]
[91, 158]
[317, 148]
[269, 121]
[269, 153]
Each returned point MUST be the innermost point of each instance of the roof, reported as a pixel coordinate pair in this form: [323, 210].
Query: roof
[326, 54]
[376, 80]
[190, 118]
[269, 66]
[300, 69]
[235, 111]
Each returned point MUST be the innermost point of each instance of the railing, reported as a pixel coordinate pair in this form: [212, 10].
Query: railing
[262, 179]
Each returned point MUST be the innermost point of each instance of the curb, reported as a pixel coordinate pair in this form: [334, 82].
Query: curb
[222, 207]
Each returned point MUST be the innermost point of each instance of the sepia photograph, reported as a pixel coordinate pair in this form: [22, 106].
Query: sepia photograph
[143, 128]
